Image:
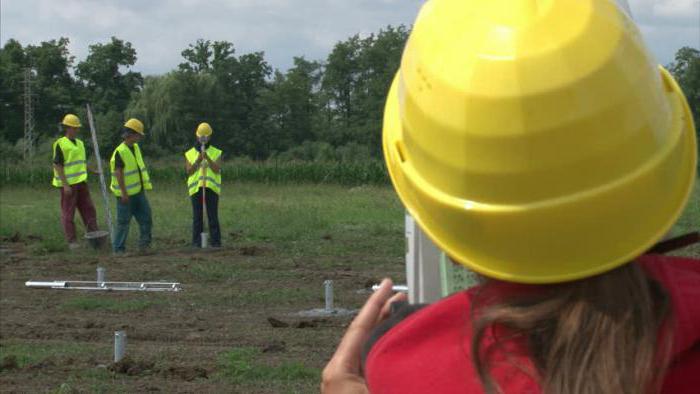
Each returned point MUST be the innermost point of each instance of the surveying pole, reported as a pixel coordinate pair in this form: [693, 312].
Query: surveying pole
[204, 236]
[103, 186]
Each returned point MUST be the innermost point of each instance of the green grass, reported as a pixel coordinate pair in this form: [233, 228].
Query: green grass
[274, 296]
[241, 365]
[96, 380]
[294, 218]
[690, 219]
[91, 303]
[28, 353]
[219, 271]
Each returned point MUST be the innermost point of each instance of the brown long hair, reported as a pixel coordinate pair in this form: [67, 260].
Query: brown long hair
[596, 335]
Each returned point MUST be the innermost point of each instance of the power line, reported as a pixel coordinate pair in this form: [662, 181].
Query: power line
[28, 151]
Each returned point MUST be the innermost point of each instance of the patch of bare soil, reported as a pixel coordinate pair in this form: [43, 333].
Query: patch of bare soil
[176, 342]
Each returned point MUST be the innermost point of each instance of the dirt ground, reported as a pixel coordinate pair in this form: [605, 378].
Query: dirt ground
[234, 328]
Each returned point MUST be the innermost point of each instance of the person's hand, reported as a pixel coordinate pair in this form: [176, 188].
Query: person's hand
[342, 373]
[67, 190]
[200, 158]
[124, 199]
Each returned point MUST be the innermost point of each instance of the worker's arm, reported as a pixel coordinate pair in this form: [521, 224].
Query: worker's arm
[93, 170]
[92, 166]
[62, 176]
[119, 172]
[215, 165]
[191, 168]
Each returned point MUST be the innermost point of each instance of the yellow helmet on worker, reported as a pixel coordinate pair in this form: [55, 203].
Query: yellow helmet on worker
[71, 120]
[203, 130]
[134, 125]
[537, 141]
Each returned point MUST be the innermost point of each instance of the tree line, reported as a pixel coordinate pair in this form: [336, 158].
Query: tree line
[328, 110]
[316, 110]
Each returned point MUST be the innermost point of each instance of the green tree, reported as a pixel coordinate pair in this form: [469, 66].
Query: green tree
[340, 79]
[108, 87]
[357, 76]
[215, 86]
[197, 56]
[293, 105]
[380, 60]
[54, 91]
[686, 70]
[12, 64]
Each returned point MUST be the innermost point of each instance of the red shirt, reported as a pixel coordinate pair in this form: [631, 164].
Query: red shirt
[429, 352]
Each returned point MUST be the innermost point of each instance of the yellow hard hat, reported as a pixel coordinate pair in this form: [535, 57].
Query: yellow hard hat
[71, 120]
[537, 141]
[135, 125]
[203, 130]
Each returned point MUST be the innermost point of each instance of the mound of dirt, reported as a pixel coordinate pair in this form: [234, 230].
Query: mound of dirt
[186, 373]
[131, 367]
[9, 363]
[275, 347]
[277, 323]
[251, 250]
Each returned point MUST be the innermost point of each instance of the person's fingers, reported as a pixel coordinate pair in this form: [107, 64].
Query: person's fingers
[374, 304]
[386, 309]
[348, 354]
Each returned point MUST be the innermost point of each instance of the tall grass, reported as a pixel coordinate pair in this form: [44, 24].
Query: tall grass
[371, 172]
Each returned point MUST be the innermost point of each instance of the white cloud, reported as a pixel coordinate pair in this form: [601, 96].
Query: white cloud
[160, 29]
[667, 12]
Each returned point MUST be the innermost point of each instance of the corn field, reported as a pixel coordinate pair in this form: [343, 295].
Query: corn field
[341, 173]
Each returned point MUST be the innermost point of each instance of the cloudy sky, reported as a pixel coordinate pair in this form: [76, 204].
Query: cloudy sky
[161, 29]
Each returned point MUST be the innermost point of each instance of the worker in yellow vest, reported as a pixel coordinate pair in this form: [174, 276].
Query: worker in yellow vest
[70, 175]
[130, 180]
[203, 166]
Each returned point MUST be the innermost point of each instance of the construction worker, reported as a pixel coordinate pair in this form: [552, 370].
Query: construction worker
[130, 180]
[203, 166]
[70, 175]
[538, 144]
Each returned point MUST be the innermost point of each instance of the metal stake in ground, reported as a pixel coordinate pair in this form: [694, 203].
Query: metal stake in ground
[328, 287]
[203, 176]
[100, 275]
[119, 345]
[103, 185]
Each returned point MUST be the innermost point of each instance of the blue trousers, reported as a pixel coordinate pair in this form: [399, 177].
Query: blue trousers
[139, 208]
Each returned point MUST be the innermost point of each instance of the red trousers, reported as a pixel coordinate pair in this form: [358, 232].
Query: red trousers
[80, 198]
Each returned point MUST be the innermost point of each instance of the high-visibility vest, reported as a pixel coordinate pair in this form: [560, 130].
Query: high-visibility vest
[196, 180]
[133, 162]
[74, 163]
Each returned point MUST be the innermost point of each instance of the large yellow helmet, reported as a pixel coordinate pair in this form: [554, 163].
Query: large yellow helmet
[71, 120]
[203, 130]
[537, 141]
[135, 125]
